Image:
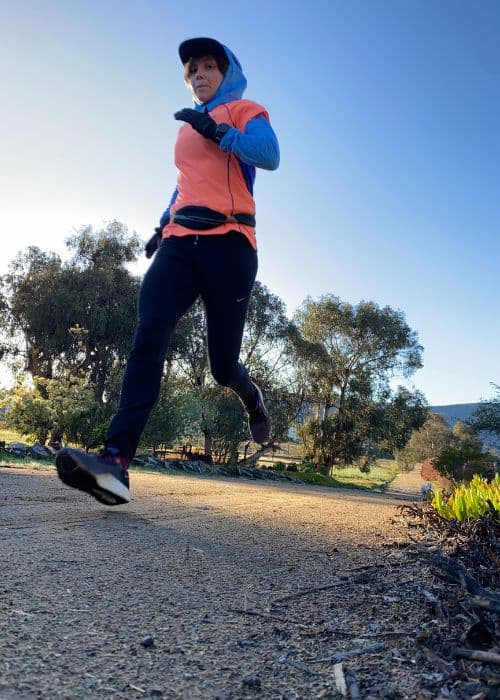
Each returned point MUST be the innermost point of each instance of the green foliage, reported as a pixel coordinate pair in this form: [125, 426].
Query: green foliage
[471, 500]
[176, 415]
[363, 430]
[28, 413]
[77, 317]
[62, 410]
[71, 324]
[487, 414]
[265, 348]
[223, 419]
[464, 456]
[425, 443]
[381, 473]
[187, 354]
[458, 463]
[319, 479]
[317, 437]
[404, 413]
[32, 300]
[345, 356]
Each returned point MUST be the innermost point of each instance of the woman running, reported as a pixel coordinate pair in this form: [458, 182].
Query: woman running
[205, 246]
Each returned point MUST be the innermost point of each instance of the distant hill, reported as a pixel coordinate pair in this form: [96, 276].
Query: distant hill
[455, 412]
[463, 412]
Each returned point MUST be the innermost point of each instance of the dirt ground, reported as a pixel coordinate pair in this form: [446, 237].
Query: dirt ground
[205, 588]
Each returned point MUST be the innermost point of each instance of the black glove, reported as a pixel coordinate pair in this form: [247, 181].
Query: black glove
[203, 123]
[154, 243]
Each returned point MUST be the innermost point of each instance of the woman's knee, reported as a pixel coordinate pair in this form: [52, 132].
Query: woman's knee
[225, 375]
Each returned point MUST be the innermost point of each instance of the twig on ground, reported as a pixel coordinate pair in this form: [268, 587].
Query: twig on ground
[444, 666]
[309, 591]
[327, 587]
[388, 633]
[136, 687]
[353, 686]
[300, 666]
[343, 655]
[266, 616]
[488, 657]
[340, 684]
[430, 597]
[362, 568]
[433, 600]
[480, 597]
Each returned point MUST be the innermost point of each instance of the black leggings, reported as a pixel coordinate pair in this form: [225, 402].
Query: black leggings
[221, 270]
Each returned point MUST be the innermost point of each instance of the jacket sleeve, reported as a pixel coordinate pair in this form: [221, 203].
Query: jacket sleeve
[257, 146]
[165, 217]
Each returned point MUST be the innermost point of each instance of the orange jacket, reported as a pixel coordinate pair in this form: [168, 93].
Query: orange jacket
[210, 177]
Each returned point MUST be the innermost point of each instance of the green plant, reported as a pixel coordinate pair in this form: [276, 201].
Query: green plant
[469, 500]
[319, 479]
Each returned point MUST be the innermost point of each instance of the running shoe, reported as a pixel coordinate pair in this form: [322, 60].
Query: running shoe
[104, 476]
[259, 422]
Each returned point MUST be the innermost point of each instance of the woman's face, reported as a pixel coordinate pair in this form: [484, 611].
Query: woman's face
[204, 78]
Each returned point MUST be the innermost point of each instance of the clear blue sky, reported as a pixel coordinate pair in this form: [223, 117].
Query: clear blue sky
[388, 116]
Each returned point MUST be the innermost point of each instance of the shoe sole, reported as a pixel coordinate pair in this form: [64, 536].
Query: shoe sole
[92, 478]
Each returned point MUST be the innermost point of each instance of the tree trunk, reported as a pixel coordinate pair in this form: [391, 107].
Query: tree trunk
[208, 448]
[327, 464]
[338, 431]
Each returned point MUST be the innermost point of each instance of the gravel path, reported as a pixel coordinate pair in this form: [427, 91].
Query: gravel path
[181, 593]
[407, 484]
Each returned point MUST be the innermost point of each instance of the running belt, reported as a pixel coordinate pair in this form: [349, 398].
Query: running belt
[203, 218]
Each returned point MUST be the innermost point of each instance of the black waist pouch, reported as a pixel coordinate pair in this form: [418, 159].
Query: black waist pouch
[203, 218]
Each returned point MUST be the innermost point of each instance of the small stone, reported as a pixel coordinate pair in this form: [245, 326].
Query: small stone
[253, 681]
[147, 641]
[157, 691]
[245, 643]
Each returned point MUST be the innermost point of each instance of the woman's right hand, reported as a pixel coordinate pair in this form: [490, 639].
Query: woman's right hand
[154, 243]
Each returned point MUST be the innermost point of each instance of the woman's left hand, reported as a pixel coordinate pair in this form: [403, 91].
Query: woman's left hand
[201, 122]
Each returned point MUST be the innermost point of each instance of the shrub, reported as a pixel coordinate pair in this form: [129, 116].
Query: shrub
[428, 472]
[462, 463]
[470, 500]
[318, 479]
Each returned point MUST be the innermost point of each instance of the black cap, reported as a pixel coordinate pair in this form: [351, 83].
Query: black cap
[202, 46]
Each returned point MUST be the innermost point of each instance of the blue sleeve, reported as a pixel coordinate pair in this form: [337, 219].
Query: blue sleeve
[258, 146]
[165, 217]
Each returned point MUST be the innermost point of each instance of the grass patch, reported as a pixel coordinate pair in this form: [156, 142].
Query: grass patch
[9, 460]
[318, 479]
[379, 476]
[7, 436]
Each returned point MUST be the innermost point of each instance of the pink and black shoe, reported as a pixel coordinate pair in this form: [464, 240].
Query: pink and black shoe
[104, 476]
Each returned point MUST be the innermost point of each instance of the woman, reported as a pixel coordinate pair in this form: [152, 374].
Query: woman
[205, 247]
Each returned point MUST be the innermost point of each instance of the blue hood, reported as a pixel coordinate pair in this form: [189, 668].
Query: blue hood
[232, 87]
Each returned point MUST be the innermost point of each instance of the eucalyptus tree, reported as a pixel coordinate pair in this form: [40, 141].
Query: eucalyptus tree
[346, 356]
